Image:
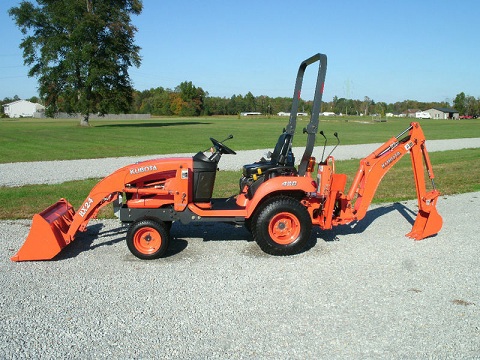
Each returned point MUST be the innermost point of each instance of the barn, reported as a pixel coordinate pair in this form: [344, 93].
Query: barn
[22, 108]
[443, 113]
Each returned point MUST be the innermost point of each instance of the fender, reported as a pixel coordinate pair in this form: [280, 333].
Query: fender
[280, 184]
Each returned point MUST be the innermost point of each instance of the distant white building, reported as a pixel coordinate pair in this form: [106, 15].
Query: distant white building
[395, 114]
[282, 113]
[250, 113]
[443, 113]
[422, 115]
[22, 108]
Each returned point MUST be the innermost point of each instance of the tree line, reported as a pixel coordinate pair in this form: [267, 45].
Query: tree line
[188, 100]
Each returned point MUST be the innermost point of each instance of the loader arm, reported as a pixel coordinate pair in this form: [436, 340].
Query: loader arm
[373, 168]
[103, 193]
[55, 227]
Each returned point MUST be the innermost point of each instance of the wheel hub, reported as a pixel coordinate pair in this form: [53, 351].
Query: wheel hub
[147, 240]
[284, 228]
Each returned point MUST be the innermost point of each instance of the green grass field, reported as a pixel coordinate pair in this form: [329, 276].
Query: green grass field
[43, 139]
[34, 140]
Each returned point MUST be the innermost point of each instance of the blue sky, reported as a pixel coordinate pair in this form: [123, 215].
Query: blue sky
[387, 50]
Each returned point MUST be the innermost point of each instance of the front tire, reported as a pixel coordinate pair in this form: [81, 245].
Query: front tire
[148, 239]
[282, 226]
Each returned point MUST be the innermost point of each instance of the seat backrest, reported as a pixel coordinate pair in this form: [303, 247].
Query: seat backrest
[279, 155]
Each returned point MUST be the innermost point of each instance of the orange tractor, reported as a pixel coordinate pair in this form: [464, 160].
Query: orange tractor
[278, 202]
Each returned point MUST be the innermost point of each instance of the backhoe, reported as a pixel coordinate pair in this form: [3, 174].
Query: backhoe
[278, 201]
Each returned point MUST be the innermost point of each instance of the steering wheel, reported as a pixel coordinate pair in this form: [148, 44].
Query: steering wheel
[222, 148]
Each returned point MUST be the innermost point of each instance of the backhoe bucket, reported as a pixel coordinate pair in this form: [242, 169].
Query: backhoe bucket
[48, 234]
[428, 221]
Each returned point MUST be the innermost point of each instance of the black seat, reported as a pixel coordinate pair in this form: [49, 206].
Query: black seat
[282, 156]
[204, 173]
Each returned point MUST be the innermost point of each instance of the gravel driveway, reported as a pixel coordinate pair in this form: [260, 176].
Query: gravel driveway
[52, 172]
[362, 292]
[357, 292]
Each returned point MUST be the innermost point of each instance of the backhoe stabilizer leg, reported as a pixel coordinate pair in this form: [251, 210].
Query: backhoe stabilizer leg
[428, 221]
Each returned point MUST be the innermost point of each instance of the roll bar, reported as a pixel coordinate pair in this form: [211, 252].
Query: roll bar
[312, 126]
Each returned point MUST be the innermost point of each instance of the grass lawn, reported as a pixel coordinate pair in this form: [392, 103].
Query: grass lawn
[35, 140]
[49, 139]
[456, 172]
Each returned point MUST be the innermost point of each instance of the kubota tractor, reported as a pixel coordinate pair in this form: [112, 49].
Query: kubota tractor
[278, 202]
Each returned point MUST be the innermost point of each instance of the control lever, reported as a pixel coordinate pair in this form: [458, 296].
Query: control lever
[324, 144]
[338, 143]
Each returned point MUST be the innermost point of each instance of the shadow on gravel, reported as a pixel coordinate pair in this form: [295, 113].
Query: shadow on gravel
[360, 226]
[84, 241]
[176, 247]
[220, 232]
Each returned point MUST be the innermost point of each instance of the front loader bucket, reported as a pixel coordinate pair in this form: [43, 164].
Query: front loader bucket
[48, 234]
[428, 221]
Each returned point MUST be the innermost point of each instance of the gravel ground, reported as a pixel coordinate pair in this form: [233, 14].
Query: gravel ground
[361, 292]
[357, 292]
[52, 172]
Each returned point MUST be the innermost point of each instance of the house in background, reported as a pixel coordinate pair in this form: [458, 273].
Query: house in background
[443, 113]
[394, 114]
[423, 115]
[22, 108]
[250, 113]
[283, 113]
[411, 113]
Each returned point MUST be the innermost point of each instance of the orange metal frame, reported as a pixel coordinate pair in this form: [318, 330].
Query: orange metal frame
[160, 182]
[353, 205]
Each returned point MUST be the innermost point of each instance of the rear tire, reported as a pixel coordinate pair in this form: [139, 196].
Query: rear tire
[282, 226]
[148, 239]
[248, 225]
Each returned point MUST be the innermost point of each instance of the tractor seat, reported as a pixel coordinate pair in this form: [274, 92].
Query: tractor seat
[282, 156]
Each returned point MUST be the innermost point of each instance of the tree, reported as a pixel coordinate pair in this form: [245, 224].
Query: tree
[460, 103]
[366, 105]
[250, 102]
[34, 99]
[380, 108]
[190, 99]
[470, 105]
[344, 106]
[80, 51]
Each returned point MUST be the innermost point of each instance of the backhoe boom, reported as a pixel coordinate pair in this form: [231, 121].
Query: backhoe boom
[353, 205]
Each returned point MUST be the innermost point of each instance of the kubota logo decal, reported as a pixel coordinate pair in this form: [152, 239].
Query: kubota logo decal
[391, 159]
[143, 169]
